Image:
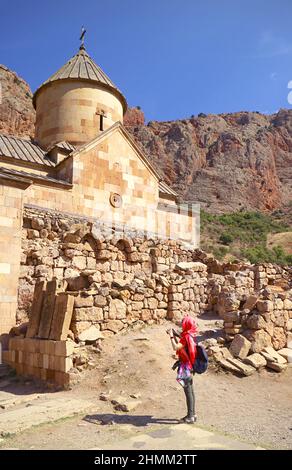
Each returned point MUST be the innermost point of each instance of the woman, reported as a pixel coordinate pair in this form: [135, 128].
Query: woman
[186, 352]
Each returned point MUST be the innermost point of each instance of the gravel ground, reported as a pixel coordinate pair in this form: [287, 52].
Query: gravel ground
[255, 409]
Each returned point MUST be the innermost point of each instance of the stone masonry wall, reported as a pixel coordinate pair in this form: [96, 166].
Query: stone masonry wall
[264, 318]
[119, 279]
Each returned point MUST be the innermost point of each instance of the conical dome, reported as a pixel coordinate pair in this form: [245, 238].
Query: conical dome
[82, 67]
[76, 103]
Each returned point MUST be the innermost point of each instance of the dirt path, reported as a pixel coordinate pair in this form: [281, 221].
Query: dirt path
[255, 409]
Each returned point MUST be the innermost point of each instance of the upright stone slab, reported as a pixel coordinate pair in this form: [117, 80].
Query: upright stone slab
[37, 304]
[47, 310]
[62, 317]
[240, 347]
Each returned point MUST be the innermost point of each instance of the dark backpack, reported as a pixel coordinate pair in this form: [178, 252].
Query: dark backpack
[201, 362]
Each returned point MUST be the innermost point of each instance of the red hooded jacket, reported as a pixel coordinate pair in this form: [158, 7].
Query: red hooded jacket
[187, 354]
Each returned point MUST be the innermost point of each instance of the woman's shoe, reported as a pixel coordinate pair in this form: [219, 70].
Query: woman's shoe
[188, 419]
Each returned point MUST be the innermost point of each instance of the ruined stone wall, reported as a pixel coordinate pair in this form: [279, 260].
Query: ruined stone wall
[120, 279]
[124, 280]
[264, 318]
[117, 279]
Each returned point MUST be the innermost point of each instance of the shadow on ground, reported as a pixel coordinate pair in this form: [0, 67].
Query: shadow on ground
[134, 420]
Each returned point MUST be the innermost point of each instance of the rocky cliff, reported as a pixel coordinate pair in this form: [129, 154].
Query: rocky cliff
[17, 115]
[226, 162]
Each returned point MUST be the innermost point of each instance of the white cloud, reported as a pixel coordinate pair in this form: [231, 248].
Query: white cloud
[270, 45]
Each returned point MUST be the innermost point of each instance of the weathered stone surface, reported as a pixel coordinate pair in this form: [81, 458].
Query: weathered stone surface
[276, 356]
[100, 301]
[62, 317]
[37, 223]
[243, 368]
[146, 314]
[276, 366]
[251, 302]
[230, 317]
[79, 262]
[96, 277]
[82, 301]
[47, 310]
[279, 338]
[113, 325]
[88, 314]
[256, 322]
[72, 238]
[191, 266]
[43, 271]
[256, 360]
[226, 353]
[17, 114]
[117, 309]
[91, 334]
[228, 302]
[286, 353]
[152, 303]
[259, 340]
[229, 366]
[240, 346]
[35, 315]
[265, 305]
[287, 304]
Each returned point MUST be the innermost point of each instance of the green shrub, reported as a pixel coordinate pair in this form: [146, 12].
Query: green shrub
[226, 238]
[220, 252]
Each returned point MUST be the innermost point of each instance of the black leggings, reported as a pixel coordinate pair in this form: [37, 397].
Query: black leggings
[190, 397]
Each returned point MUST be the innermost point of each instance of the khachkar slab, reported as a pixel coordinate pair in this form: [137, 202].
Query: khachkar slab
[37, 304]
[62, 316]
[48, 310]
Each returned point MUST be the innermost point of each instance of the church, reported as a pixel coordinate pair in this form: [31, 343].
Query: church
[82, 161]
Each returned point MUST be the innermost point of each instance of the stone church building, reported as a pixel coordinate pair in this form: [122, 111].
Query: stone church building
[82, 161]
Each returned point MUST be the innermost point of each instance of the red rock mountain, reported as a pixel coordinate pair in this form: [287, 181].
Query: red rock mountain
[17, 115]
[226, 162]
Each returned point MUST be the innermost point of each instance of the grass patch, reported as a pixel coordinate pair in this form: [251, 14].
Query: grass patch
[243, 235]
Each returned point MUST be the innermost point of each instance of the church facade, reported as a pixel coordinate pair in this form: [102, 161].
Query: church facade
[81, 162]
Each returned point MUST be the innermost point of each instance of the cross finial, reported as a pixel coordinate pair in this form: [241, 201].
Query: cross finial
[83, 31]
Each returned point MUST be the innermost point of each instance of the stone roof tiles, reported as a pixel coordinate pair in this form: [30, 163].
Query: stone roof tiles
[22, 149]
[82, 67]
[11, 173]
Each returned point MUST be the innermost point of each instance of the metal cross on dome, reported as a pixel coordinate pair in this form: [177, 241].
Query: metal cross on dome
[83, 31]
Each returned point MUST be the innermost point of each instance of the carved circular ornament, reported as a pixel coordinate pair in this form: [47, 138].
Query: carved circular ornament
[116, 200]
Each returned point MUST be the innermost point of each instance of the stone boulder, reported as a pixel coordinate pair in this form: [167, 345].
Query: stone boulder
[279, 338]
[240, 347]
[91, 334]
[256, 360]
[260, 339]
[191, 266]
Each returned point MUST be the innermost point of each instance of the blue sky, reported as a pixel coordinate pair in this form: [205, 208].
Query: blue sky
[174, 58]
